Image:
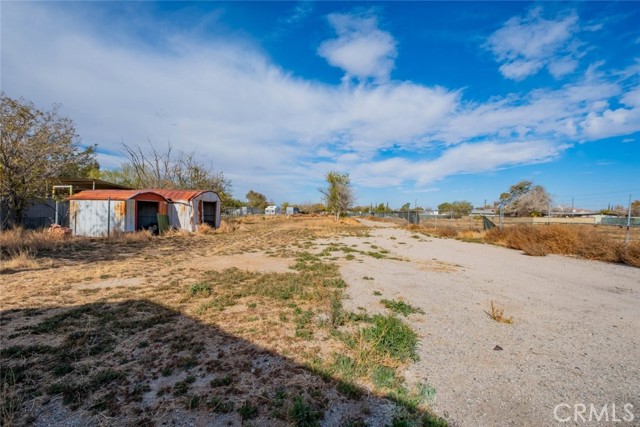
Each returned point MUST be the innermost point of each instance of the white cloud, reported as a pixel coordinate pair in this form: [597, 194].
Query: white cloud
[524, 45]
[264, 128]
[362, 50]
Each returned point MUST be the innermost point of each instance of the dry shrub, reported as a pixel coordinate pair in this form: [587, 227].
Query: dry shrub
[225, 227]
[471, 235]
[597, 246]
[349, 221]
[446, 231]
[565, 240]
[21, 260]
[205, 229]
[129, 237]
[630, 254]
[559, 239]
[413, 227]
[534, 248]
[17, 240]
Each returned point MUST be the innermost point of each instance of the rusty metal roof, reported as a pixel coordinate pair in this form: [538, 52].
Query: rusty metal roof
[80, 184]
[180, 194]
[112, 194]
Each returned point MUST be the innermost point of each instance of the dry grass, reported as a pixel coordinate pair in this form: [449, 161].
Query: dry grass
[497, 314]
[630, 254]
[167, 341]
[22, 260]
[603, 243]
[17, 240]
[585, 242]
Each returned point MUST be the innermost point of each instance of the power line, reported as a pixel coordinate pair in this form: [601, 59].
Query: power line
[612, 193]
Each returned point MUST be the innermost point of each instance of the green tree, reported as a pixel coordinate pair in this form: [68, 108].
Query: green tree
[256, 200]
[445, 208]
[338, 195]
[406, 207]
[36, 148]
[525, 199]
[457, 209]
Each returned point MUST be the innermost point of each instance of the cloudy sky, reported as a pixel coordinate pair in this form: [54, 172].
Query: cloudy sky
[417, 101]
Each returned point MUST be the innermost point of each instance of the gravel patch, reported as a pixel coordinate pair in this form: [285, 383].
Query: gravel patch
[574, 337]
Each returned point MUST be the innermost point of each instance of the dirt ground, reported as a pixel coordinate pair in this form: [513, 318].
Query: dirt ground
[223, 330]
[574, 337]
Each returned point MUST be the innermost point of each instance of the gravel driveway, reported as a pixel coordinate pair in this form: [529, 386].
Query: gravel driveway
[574, 340]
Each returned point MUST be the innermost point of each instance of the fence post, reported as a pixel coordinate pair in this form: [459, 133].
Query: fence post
[626, 238]
[501, 215]
[109, 217]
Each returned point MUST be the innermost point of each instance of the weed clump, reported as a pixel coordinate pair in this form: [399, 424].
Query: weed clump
[390, 336]
[401, 307]
[497, 314]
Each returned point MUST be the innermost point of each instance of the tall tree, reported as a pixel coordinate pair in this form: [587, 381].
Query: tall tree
[338, 195]
[525, 199]
[36, 148]
[256, 200]
[153, 168]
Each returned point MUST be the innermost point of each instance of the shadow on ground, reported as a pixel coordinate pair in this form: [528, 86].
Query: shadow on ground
[139, 363]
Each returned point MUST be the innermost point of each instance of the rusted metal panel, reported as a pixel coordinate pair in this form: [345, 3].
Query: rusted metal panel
[120, 209]
[142, 195]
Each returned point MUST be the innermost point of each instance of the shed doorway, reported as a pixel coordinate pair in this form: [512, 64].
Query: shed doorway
[209, 213]
[147, 217]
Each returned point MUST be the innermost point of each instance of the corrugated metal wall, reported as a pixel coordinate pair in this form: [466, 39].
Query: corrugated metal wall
[186, 215]
[180, 215]
[96, 218]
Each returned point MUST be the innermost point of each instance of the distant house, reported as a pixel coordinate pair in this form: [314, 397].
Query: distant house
[291, 210]
[272, 210]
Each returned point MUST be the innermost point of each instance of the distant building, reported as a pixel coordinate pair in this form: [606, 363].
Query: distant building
[272, 210]
[292, 210]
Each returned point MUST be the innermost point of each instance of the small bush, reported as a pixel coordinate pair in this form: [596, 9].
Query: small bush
[401, 307]
[391, 336]
[446, 231]
[303, 414]
[200, 289]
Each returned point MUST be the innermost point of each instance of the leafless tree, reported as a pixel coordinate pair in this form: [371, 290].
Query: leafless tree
[152, 168]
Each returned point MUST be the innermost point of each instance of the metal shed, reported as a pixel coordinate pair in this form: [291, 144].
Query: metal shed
[98, 213]
[190, 208]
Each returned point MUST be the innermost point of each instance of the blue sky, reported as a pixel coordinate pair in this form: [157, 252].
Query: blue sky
[417, 101]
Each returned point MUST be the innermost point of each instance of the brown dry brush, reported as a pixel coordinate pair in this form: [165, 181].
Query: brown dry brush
[497, 314]
[565, 240]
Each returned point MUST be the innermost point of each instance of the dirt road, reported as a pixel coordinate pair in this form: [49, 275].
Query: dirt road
[574, 339]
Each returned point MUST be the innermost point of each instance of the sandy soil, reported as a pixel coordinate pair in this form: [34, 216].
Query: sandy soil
[574, 337]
